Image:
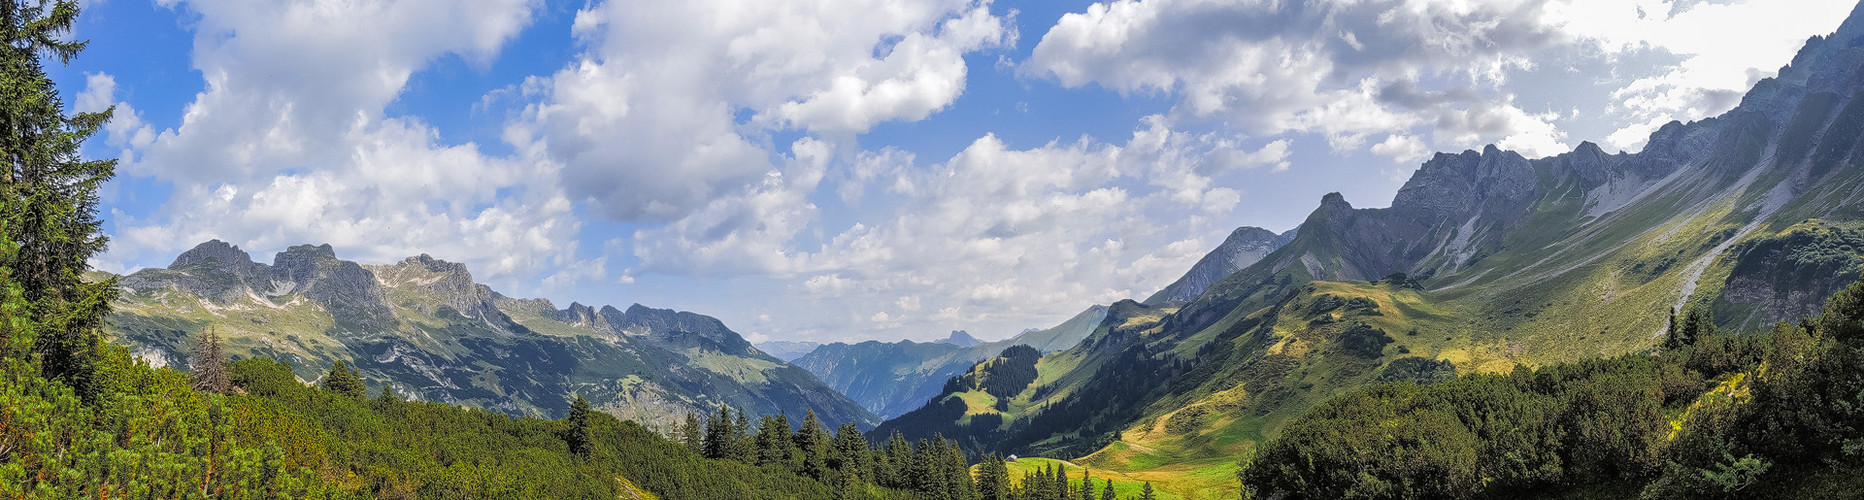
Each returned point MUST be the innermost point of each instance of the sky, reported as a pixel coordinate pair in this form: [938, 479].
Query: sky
[831, 170]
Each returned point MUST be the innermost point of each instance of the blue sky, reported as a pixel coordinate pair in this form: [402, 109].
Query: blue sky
[840, 170]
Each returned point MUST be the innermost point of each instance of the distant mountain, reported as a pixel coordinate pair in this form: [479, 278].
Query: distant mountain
[1245, 246]
[961, 338]
[891, 378]
[787, 350]
[423, 326]
[1484, 260]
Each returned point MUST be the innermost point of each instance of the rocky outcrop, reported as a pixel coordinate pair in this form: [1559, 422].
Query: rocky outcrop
[1246, 245]
[680, 328]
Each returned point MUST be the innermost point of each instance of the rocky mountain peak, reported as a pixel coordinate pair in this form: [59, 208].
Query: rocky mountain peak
[679, 328]
[961, 338]
[1246, 245]
[1456, 187]
[210, 253]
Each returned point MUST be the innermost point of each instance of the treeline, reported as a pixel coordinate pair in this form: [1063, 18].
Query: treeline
[1710, 415]
[1047, 483]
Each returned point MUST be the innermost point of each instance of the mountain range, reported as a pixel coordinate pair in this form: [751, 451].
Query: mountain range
[1485, 260]
[890, 378]
[424, 327]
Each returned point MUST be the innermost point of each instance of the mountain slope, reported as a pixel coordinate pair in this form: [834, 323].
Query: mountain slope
[787, 350]
[891, 378]
[1245, 246]
[423, 326]
[1484, 260]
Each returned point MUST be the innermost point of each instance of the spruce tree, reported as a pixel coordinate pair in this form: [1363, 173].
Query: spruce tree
[743, 448]
[210, 365]
[1671, 339]
[718, 435]
[992, 478]
[958, 474]
[1107, 493]
[1087, 484]
[48, 203]
[773, 443]
[343, 380]
[693, 434]
[1061, 482]
[580, 438]
[812, 440]
[1145, 492]
[388, 395]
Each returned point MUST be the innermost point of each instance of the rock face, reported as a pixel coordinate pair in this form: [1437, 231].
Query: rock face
[1243, 247]
[424, 326]
[961, 338]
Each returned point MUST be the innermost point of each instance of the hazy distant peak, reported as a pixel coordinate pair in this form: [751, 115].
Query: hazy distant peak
[960, 338]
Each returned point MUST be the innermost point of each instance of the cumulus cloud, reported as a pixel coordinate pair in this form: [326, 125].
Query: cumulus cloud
[667, 108]
[1436, 72]
[1277, 67]
[288, 142]
[1003, 237]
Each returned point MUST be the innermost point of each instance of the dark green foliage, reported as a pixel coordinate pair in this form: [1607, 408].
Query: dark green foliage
[1421, 371]
[719, 440]
[1697, 324]
[1786, 408]
[576, 433]
[343, 380]
[1009, 373]
[692, 433]
[993, 478]
[1145, 492]
[1364, 341]
[812, 441]
[48, 204]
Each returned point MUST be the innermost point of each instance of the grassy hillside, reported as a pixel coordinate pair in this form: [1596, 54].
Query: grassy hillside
[1486, 263]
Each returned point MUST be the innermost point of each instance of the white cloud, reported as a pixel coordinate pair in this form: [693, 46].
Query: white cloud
[648, 125]
[126, 129]
[1437, 72]
[1003, 238]
[288, 142]
[1725, 48]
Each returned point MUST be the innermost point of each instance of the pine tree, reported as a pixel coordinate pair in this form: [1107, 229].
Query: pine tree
[1107, 493]
[1671, 339]
[343, 380]
[579, 436]
[743, 448]
[991, 474]
[48, 203]
[1145, 492]
[849, 451]
[718, 435]
[388, 395]
[1061, 482]
[1087, 485]
[693, 433]
[210, 365]
[812, 440]
[958, 474]
[773, 443]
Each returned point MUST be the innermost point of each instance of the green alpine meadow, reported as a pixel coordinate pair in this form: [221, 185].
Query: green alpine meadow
[1620, 279]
